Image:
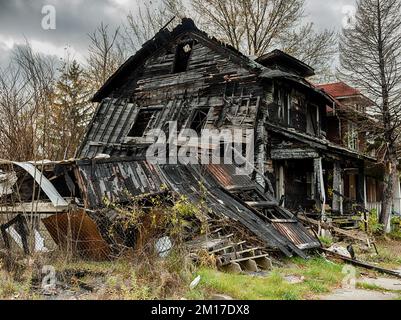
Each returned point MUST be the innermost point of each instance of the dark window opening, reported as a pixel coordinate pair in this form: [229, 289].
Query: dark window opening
[282, 99]
[182, 55]
[312, 124]
[142, 122]
[199, 120]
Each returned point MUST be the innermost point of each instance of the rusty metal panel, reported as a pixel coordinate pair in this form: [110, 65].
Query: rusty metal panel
[294, 232]
[227, 177]
[297, 234]
[78, 233]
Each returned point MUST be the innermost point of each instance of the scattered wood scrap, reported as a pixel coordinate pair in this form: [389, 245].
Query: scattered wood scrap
[362, 263]
[354, 235]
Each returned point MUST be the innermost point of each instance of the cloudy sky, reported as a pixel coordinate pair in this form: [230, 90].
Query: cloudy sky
[22, 19]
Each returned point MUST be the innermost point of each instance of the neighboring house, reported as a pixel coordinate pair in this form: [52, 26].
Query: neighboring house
[188, 77]
[349, 119]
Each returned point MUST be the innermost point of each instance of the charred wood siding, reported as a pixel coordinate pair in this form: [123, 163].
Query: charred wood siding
[116, 181]
[212, 80]
[287, 106]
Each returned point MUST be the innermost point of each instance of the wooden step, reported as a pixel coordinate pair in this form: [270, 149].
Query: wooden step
[231, 246]
[248, 250]
[236, 188]
[250, 258]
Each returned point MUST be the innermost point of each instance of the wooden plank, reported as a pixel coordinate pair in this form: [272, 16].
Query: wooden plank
[330, 227]
[363, 264]
[251, 258]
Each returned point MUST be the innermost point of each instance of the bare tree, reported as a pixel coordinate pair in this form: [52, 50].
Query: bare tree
[105, 55]
[256, 27]
[316, 49]
[109, 48]
[17, 117]
[249, 25]
[39, 73]
[370, 59]
[148, 19]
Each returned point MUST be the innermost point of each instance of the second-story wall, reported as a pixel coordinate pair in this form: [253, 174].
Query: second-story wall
[213, 90]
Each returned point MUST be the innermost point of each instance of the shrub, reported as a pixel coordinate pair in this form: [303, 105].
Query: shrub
[374, 226]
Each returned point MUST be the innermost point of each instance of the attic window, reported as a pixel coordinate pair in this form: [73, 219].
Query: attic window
[182, 55]
[199, 119]
[143, 119]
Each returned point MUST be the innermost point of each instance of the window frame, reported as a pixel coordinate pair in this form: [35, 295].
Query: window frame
[155, 113]
[182, 45]
[193, 115]
[353, 136]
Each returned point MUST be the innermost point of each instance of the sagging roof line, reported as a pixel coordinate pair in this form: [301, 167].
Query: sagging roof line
[157, 42]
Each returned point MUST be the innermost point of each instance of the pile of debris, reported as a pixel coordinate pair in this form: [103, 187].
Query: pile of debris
[67, 203]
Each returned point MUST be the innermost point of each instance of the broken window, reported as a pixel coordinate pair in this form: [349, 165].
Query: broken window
[312, 121]
[182, 55]
[359, 107]
[283, 100]
[143, 119]
[199, 119]
[352, 136]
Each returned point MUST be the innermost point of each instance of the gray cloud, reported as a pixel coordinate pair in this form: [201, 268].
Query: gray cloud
[20, 19]
[327, 14]
[75, 19]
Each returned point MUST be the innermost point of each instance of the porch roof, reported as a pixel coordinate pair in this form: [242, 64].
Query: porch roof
[320, 144]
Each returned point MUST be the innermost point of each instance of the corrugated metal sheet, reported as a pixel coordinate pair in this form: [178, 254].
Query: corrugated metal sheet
[227, 177]
[295, 232]
[78, 233]
[57, 200]
[186, 180]
[117, 180]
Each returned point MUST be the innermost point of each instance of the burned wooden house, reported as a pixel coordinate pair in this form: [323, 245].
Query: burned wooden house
[351, 120]
[186, 77]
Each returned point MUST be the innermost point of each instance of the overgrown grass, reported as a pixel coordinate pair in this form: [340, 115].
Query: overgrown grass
[10, 288]
[320, 276]
[389, 254]
[369, 286]
[326, 241]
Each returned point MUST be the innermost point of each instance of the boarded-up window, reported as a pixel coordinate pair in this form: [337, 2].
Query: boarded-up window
[143, 119]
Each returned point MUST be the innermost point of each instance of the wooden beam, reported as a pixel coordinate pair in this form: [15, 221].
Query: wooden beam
[327, 226]
[360, 194]
[363, 264]
[337, 186]
[35, 207]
